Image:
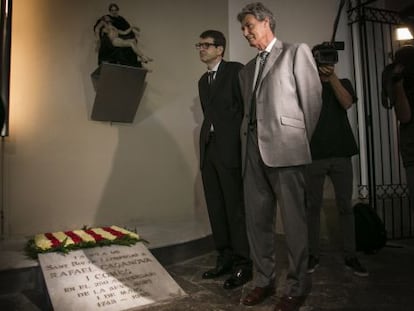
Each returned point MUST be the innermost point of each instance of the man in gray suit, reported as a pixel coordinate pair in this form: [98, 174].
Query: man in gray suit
[281, 112]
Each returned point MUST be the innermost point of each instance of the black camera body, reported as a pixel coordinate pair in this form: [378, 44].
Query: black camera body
[404, 56]
[326, 53]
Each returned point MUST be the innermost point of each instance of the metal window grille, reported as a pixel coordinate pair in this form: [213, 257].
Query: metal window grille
[382, 178]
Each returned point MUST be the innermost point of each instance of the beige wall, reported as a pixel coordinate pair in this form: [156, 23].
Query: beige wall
[62, 170]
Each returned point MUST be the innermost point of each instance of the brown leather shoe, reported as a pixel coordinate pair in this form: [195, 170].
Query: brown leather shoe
[257, 295]
[289, 303]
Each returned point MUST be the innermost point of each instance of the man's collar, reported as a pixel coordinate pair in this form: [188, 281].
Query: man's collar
[216, 66]
[270, 45]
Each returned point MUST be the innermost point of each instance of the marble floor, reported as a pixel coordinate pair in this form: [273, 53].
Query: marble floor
[388, 287]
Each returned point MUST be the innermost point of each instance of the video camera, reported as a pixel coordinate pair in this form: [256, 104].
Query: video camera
[326, 53]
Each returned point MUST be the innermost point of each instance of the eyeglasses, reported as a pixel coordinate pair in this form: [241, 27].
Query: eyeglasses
[204, 45]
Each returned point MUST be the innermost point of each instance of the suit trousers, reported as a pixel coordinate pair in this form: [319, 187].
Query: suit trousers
[266, 188]
[340, 172]
[223, 189]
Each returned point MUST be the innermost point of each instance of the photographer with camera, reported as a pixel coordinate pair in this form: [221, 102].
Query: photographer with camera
[332, 147]
[398, 85]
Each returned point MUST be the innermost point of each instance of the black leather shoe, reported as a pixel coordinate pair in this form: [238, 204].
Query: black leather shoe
[239, 277]
[216, 272]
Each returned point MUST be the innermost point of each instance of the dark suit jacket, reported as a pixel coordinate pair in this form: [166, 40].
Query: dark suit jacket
[222, 106]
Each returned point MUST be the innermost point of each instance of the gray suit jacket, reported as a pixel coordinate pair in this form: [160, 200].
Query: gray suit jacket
[288, 104]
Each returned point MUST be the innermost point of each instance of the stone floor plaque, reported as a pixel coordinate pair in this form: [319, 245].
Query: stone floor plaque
[107, 278]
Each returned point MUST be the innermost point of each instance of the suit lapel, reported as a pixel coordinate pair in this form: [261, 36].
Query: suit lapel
[217, 79]
[272, 57]
[204, 88]
[250, 68]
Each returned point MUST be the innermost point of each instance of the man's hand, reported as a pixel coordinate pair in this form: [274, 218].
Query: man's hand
[327, 74]
[326, 70]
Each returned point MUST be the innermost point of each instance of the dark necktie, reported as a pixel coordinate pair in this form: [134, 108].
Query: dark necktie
[262, 60]
[210, 77]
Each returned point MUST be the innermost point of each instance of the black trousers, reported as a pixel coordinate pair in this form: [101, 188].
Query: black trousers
[223, 189]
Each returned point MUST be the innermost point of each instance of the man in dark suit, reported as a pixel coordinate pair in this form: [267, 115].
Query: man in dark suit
[220, 160]
[281, 112]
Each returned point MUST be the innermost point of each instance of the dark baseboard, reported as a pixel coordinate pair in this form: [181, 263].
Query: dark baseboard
[175, 253]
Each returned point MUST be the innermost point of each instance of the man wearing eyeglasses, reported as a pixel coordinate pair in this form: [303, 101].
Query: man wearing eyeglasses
[220, 160]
